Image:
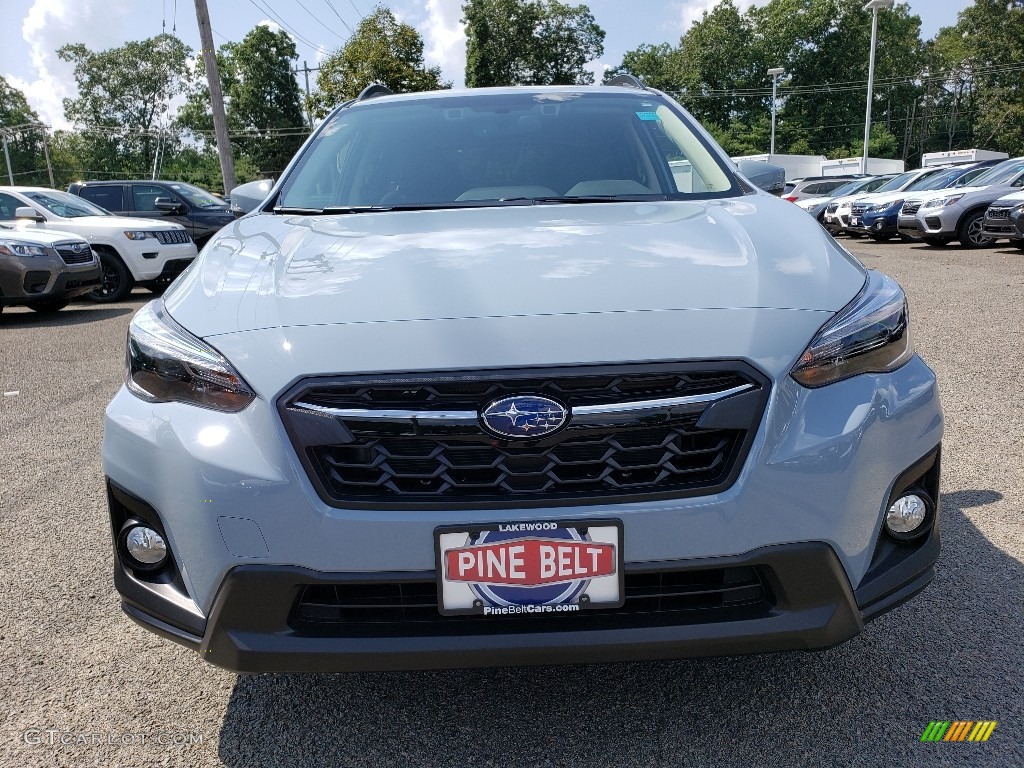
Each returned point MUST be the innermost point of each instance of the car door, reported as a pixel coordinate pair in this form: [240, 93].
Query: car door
[110, 197]
[144, 197]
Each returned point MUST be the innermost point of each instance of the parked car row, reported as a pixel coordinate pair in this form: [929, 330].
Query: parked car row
[934, 205]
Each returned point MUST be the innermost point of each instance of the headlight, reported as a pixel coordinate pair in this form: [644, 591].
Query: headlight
[25, 250]
[870, 335]
[942, 202]
[168, 364]
[138, 235]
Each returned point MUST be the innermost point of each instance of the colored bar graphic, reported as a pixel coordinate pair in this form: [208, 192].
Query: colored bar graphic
[958, 730]
[935, 731]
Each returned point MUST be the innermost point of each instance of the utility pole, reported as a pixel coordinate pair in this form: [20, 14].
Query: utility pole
[306, 70]
[7, 157]
[220, 122]
[46, 152]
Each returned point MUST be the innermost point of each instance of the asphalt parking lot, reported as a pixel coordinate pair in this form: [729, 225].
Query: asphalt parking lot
[82, 685]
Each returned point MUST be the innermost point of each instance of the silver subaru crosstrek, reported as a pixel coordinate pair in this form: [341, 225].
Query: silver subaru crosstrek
[519, 376]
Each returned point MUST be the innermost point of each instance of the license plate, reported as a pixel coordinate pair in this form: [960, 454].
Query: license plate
[532, 568]
[854, 221]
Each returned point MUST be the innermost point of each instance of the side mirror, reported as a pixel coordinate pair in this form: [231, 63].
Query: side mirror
[247, 197]
[27, 212]
[167, 205]
[768, 176]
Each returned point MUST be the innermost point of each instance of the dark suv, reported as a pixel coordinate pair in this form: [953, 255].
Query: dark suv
[200, 212]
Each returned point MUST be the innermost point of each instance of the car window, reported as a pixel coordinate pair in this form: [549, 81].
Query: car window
[109, 197]
[8, 205]
[64, 204]
[1004, 173]
[198, 197]
[144, 196]
[897, 182]
[876, 184]
[467, 149]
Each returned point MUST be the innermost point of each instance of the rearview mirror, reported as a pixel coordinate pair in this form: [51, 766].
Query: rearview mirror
[768, 176]
[27, 212]
[168, 205]
[247, 197]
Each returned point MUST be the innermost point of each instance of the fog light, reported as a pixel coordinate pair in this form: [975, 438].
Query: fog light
[906, 515]
[879, 225]
[145, 549]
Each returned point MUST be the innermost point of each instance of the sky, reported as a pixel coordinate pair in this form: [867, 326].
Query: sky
[29, 62]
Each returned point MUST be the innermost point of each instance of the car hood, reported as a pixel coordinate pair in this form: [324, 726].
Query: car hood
[938, 194]
[272, 271]
[811, 202]
[1015, 197]
[46, 237]
[97, 223]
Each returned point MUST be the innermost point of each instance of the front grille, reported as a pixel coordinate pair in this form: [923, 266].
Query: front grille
[653, 598]
[998, 213]
[909, 209]
[71, 256]
[832, 208]
[858, 209]
[172, 236]
[417, 464]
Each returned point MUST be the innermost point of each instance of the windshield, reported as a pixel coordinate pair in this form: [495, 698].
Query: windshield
[198, 197]
[503, 148]
[1003, 173]
[64, 204]
[851, 187]
[923, 181]
[940, 180]
[897, 182]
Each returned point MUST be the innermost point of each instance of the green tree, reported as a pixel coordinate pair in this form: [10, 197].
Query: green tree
[262, 98]
[988, 38]
[24, 137]
[123, 98]
[660, 66]
[529, 42]
[382, 50]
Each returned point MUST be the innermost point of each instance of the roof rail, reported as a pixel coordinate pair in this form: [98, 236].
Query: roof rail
[373, 90]
[627, 81]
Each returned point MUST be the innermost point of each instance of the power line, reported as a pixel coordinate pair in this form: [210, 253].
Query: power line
[267, 10]
[321, 23]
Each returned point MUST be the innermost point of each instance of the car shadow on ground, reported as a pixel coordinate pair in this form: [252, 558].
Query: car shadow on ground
[952, 653]
[72, 314]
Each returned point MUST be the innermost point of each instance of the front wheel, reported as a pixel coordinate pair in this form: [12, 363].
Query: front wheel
[970, 233]
[116, 281]
[48, 306]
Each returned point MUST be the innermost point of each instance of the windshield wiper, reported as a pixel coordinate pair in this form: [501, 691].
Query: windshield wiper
[645, 198]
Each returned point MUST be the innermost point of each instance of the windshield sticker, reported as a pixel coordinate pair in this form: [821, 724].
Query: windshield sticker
[648, 115]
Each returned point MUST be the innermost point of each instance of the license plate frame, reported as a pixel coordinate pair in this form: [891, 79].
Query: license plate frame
[575, 539]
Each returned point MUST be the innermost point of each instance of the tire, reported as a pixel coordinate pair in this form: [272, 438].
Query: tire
[48, 306]
[969, 233]
[116, 283]
[937, 242]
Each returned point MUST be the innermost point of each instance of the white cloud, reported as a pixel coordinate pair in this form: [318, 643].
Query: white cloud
[444, 37]
[693, 10]
[47, 26]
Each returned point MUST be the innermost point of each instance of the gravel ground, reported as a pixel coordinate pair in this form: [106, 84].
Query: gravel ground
[73, 669]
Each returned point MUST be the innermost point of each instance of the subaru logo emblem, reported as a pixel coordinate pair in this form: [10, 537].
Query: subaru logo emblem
[524, 417]
[77, 247]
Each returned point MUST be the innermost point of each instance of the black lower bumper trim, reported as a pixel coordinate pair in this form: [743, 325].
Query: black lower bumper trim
[813, 608]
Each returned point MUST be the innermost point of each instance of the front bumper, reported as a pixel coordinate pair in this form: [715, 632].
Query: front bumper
[937, 222]
[807, 603]
[150, 259]
[23, 281]
[247, 529]
[878, 224]
[1007, 226]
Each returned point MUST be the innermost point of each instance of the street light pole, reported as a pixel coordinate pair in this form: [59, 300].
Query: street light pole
[872, 6]
[775, 72]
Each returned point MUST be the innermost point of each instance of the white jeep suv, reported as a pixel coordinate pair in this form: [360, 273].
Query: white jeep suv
[144, 251]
